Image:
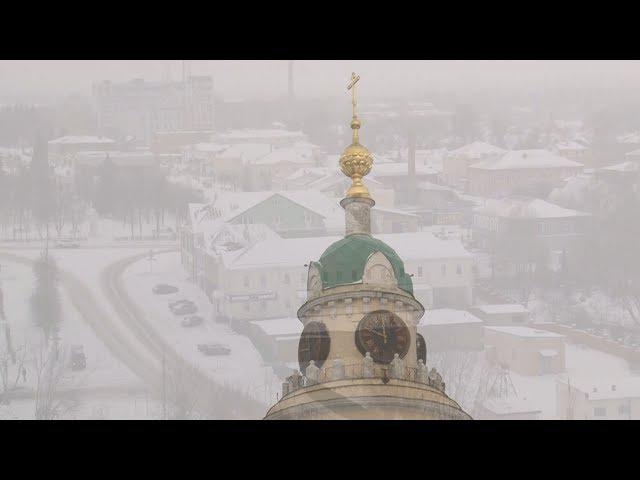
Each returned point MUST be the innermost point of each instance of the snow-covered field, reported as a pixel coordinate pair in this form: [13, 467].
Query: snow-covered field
[243, 369]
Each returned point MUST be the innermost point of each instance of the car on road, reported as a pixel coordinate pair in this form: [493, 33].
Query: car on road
[210, 349]
[184, 309]
[180, 302]
[78, 358]
[164, 289]
[67, 243]
[192, 321]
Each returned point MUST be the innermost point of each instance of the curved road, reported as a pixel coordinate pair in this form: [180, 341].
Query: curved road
[187, 389]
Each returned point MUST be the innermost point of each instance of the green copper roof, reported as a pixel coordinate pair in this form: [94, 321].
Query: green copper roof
[344, 261]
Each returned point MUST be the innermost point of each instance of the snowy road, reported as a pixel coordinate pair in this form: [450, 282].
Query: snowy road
[173, 368]
[91, 280]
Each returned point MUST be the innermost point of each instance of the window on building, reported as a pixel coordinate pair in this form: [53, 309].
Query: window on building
[287, 280]
[623, 409]
[246, 280]
[354, 275]
[600, 412]
[443, 269]
[263, 281]
[420, 271]
[246, 306]
[459, 269]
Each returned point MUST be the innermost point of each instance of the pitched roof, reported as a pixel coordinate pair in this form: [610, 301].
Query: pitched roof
[526, 159]
[477, 150]
[523, 207]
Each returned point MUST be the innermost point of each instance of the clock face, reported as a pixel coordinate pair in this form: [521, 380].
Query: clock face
[382, 334]
[314, 345]
[421, 348]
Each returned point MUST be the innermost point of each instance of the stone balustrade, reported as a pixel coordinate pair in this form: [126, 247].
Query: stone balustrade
[338, 370]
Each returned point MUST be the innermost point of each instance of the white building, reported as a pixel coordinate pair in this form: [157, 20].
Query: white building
[268, 279]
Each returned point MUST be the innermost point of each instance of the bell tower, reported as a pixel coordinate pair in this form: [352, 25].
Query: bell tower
[360, 354]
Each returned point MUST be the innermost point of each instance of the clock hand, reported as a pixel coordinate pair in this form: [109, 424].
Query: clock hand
[374, 331]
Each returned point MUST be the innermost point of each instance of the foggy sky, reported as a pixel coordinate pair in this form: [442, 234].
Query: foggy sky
[32, 80]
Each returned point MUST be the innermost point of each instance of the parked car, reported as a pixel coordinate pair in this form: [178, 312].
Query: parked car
[192, 321]
[67, 243]
[184, 309]
[164, 289]
[180, 302]
[214, 349]
[78, 358]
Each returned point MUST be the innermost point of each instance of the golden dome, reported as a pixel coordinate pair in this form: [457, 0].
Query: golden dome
[356, 162]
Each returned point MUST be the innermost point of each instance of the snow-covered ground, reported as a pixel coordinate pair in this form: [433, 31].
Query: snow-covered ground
[243, 369]
[103, 372]
[582, 363]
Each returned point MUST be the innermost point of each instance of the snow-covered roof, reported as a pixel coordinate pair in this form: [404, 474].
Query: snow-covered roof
[548, 352]
[311, 173]
[509, 308]
[525, 332]
[612, 388]
[117, 157]
[210, 147]
[296, 154]
[74, 140]
[570, 145]
[267, 134]
[477, 150]
[523, 207]
[633, 153]
[629, 138]
[433, 186]
[317, 202]
[526, 159]
[277, 327]
[288, 252]
[399, 169]
[509, 406]
[624, 167]
[246, 152]
[447, 316]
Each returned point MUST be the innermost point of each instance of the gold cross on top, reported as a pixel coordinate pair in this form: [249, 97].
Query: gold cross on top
[352, 86]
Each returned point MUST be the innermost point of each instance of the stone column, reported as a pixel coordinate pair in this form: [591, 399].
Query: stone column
[357, 213]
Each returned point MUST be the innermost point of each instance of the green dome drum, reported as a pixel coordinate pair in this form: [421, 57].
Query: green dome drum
[344, 261]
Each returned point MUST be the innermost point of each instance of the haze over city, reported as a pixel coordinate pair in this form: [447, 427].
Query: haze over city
[257, 239]
[22, 80]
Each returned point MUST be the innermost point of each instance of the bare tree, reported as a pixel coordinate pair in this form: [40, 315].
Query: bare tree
[465, 373]
[49, 361]
[11, 366]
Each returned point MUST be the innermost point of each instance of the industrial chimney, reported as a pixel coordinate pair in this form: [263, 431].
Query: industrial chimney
[411, 187]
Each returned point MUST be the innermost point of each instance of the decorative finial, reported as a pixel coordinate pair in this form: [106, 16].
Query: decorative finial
[356, 161]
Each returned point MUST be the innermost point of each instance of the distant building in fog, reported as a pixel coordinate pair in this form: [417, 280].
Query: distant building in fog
[141, 108]
[525, 350]
[456, 162]
[446, 329]
[616, 399]
[520, 171]
[70, 145]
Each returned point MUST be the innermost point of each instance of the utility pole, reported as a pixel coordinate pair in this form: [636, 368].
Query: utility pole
[164, 388]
